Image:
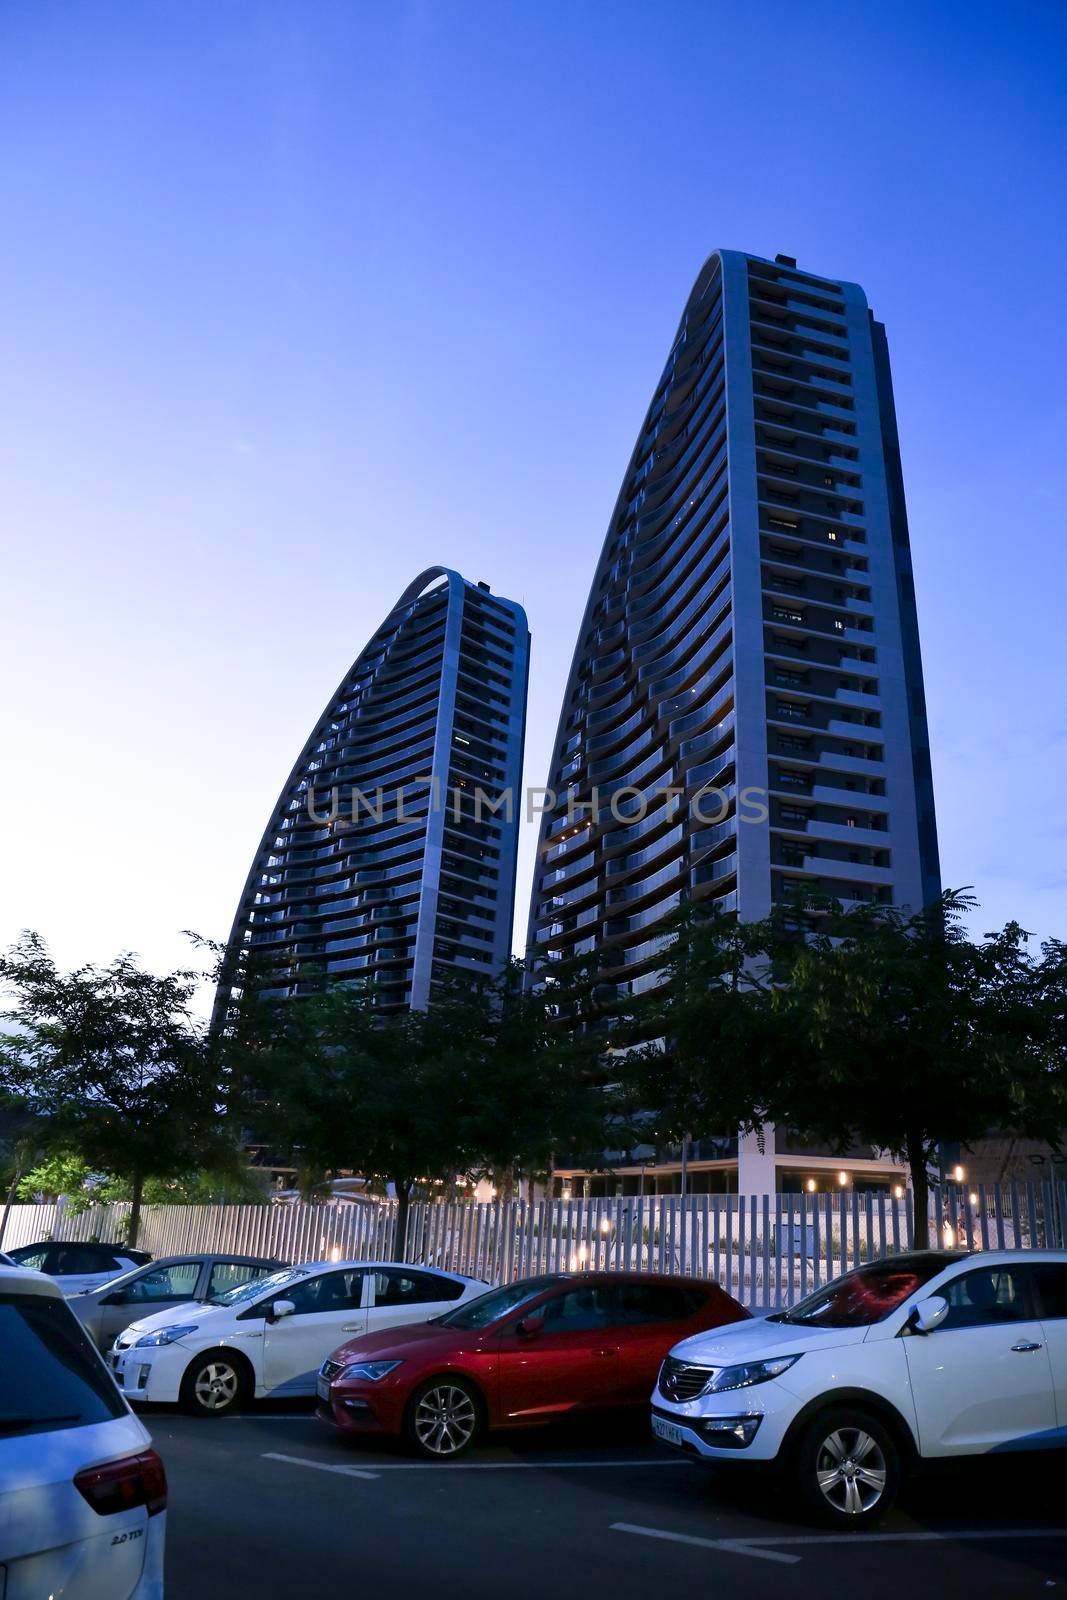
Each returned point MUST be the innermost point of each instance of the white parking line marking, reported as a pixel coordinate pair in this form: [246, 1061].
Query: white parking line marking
[467, 1466]
[758, 1546]
[319, 1466]
[738, 1547]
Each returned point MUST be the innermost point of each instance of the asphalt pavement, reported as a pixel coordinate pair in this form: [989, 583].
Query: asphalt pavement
[272, 1503]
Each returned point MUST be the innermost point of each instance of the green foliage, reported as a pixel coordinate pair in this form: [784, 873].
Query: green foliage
[871, 1026]
[913, 1033]
[481, 1081]
[113, 1064]
[64, 1172]
[718, 1046]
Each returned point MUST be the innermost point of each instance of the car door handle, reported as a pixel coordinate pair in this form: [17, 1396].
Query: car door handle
[351, 1327]
[604, 1352]
[1026, 1346]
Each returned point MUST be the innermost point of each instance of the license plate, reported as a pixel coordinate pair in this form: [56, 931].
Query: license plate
[322, 1389]
[669, 1432]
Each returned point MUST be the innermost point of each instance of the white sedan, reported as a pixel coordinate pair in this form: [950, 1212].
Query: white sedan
[272, 1336]
[82, 1492]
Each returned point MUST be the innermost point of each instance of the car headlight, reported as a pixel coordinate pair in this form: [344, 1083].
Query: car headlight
[167, 1335]
[750, 1372]
[371, 1370]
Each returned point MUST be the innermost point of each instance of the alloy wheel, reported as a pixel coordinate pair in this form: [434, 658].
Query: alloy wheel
[216, 1386]
[851, 1471]
[445, 1420]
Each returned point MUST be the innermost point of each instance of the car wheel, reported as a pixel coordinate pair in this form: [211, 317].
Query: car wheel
[215, 1384]
[849, 1468]
[443, 1418]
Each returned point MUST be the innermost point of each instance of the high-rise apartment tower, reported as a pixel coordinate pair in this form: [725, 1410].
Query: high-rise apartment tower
[745, 711]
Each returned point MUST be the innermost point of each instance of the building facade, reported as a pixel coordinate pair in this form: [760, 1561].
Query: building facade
[389, 858]
[745, 711]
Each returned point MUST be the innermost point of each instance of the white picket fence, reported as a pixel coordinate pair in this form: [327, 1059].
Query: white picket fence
[767, 1250]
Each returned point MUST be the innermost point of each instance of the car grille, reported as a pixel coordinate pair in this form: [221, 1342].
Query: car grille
[680, 1380]
[329, 1369]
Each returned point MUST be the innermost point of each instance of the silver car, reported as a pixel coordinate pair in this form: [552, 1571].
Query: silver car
[170, 1281]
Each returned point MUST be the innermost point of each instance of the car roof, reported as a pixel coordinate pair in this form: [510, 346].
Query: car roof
[26, 1281]
[546, 1280]
[999, 1257]
[400, 1266]
[100, 1246]
[213, 1255]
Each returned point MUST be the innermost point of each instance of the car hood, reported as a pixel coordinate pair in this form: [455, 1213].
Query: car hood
[759, 1338]
[172, 1315]
[411, 1339]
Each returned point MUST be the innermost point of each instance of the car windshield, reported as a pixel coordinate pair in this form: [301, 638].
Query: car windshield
[496, 1304]
[243, 1292]
[868, 1294]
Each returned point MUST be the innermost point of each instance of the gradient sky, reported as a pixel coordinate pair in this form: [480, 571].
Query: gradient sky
[299, 298]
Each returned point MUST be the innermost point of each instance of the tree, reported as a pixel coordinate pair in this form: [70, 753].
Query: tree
[115, 1067]
[718, 1049]
[909, 1033]
[20, 1144]
[534, 1085]
[345, 1088]
[479, 1082]
[66, 1173]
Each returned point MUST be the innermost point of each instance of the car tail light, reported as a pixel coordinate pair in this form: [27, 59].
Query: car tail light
[120, 1485]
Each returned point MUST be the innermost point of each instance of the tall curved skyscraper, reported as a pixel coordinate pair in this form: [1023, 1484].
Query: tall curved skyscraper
[745, 708]
[389, 857]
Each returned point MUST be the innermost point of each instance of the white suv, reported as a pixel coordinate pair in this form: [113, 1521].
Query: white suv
[922, 1355]
[82, 1492]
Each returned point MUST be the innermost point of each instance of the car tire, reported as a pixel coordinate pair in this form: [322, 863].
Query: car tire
[848, 1468]
[443, 1418]
[215, 1384]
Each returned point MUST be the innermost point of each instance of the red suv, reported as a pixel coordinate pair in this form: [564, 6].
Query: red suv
[528, 1353]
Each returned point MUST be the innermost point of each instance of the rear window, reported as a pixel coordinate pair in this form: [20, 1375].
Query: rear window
[1051, 1277]
[50, 1375]
[31, 1255]
[657, 1302]
[71, 1260]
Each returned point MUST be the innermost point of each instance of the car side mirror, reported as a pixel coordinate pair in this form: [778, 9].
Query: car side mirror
[116, 1299]
[281, 1308]
[928, 1314]
[530, 1327]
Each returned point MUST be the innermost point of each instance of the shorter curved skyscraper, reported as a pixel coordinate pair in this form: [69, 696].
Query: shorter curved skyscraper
[389, 858]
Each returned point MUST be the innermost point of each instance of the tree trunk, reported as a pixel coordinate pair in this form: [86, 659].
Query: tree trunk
[10, 1201]
[920, 1193]
[137, 1189]
[403, 1205]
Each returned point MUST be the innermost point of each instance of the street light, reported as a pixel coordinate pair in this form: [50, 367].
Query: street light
[958, 1173]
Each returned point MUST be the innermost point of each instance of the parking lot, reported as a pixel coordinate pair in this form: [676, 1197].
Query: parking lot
[270, 1502]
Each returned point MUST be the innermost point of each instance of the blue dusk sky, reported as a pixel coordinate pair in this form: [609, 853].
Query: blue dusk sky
[299, 298]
